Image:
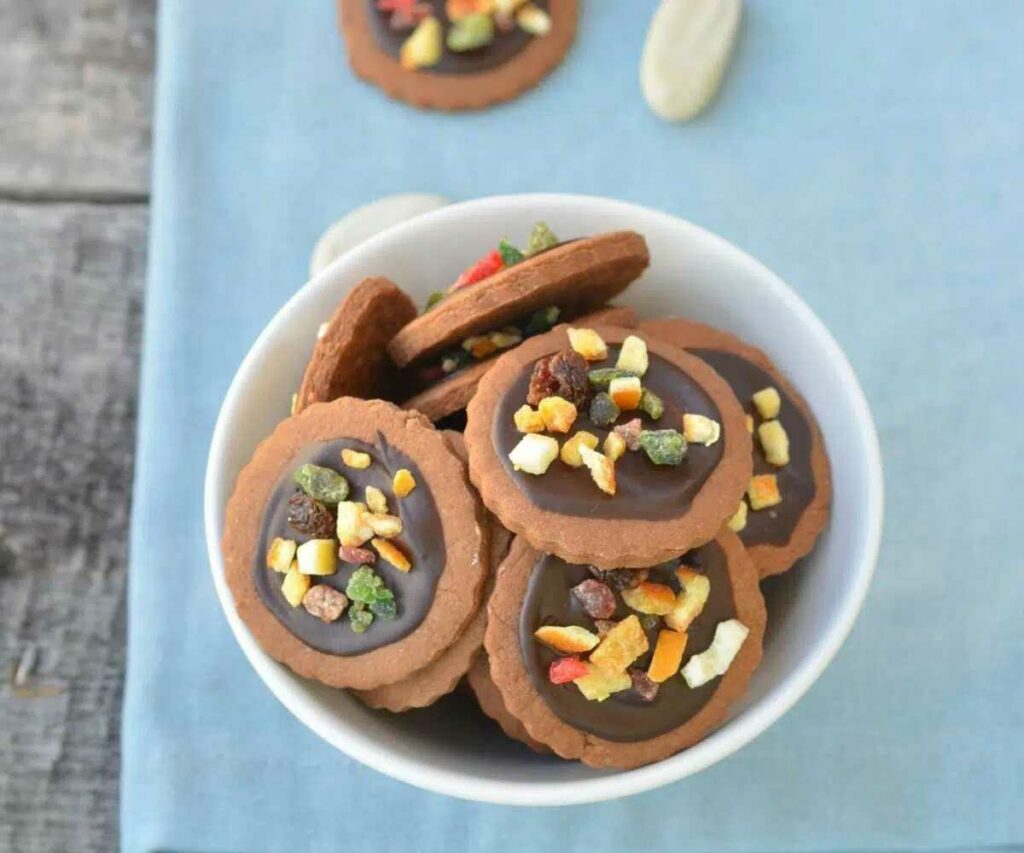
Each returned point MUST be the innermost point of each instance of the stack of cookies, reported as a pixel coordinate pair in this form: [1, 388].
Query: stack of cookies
[528, 489]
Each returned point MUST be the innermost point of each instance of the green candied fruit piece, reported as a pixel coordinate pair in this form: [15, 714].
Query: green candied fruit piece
[385, 609]
[663, 446]
[360, 617]
[433, 299]
[542, 321]
[651, 404]
[601, 377]
[366, 589]
[603, 410]
[541, 238]
[321, 483]
[471, 32]
[649, 621]
[510, 254]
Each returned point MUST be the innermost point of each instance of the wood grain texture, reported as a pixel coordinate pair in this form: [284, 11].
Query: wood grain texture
[75, 79]
[70, 298]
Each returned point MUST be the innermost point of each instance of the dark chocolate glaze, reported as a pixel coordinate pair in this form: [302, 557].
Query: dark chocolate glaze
[422, 539]
[622, 717]
[643, 489]
[504, 47]
[775, 525]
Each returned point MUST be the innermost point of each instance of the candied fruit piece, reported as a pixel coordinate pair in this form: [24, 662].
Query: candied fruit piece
[596, 599]
[621, 646]
[360, 617]
[768, 403]
[716, 659]
[619, 579]
[403, 482]
[424, 47]
[385, 526]
[693, 595]
[324, 602]
[509, 253]
[763, 491]
[480, 346]
[653, 598]
[280, 554]
[633, 356]
[775, 442]
[321, 483]
[601, 377]
[668, 655]
[651, 404]
[749, 420]
[645, 687]
[630, 432]
[317, 557]
[367, 588]
[352, 528]
[602, 469]
[359, 556]
[603, 409]
[391, 552]
[566, 638]
[564, 670]
[534, 20]
[355, 458]
[663, 446]
[598, 684]
[309, 516]
[614, 446]
[570, 452]
[588, 343]
[700, 429]
[603, 626]
[541, 238]
[435, 298]
[626, 392]
[541, 321]
[558, 413]
[487, 266]
[563, 374]
[470, 33]
[294, 586]
[534, 454]
[738, 520]
[528, 419]
[375, 500]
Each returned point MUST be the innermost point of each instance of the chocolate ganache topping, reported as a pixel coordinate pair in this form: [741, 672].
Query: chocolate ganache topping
[644, 490]
[500, 50]
[775, 525]
[624, 716]
[421, 539]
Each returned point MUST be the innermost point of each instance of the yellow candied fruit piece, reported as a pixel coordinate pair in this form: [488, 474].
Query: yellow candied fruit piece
[655, 599]
[614, 446]
[424, 47]
[738, 520]
[626, 392]
[294, 586]
[622, 645]
[633, 356]
[763, 491]
[529, 420]
[558, 414]
[768, 403]
[375, 501]
[588, 343]
[602, 469]
[693, 595]
[280, 554]
[570, 639]
[390, 552]
[598, 684]
[318, 557]
[404, 482]
[570, 453]
[355, 458]
[775, 442]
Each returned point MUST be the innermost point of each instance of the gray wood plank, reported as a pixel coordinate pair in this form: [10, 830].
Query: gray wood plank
[75, 79]
[70, 310]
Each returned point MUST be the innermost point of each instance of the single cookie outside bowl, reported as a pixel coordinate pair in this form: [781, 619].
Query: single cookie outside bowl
[455, 55]
[442, 676]
[628, 459]
[353, 545]
[349, 358]
[453, 393]
[779, 533]
[624, 668]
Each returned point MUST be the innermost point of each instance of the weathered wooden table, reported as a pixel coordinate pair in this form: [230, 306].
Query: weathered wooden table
[75, 83]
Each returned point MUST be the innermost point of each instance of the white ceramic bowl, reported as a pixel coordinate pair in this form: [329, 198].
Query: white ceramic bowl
[449, 748]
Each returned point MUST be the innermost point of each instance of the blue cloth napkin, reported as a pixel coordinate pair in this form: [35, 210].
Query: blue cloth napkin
[871, 153]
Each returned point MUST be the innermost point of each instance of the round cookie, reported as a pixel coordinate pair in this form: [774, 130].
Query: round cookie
[489, 699]
[658, 511]
[513, 61]
[441, 676]
[578, 276]
[397, 619]
[625, 718]
[777, 536]
[349, 358]
[453, 393]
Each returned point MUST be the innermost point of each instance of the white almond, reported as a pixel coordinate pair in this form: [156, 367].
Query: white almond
[688, 46]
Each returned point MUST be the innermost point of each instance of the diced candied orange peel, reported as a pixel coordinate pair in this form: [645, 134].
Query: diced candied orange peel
[403, 482]
[558, 413]
[656, 599]
[763, 491]
[529, 420]
[622, 645]
[668, 655]
[693, 595]
[599, 683]
[569, 639]
[355, 458]
[391, 553]
[588, 343]
[626, 392]
[570, 452]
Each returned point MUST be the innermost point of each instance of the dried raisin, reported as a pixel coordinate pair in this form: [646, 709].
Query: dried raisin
[563, 374]
[619, 579]
[596, 598]
[643, 686]
[310, 516]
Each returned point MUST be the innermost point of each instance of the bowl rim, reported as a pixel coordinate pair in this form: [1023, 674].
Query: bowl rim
[740, 731]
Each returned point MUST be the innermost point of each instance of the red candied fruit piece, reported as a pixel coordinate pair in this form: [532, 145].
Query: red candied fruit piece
[487, 266]
[566, 669]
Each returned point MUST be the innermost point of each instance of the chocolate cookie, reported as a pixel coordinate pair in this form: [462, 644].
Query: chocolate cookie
[459, 54]
[441, 676]
[352, 544]
[348, 358]
[453, 393]
[489, 699]
[789, 447]
[508, 287]
[636, 451]
[624, 668]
